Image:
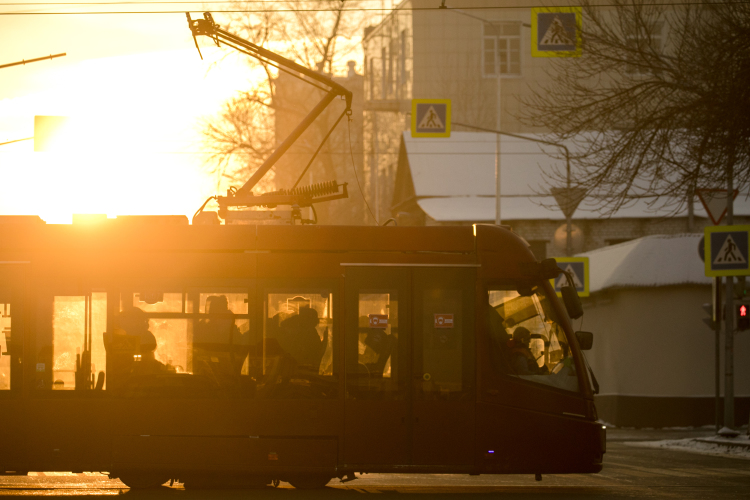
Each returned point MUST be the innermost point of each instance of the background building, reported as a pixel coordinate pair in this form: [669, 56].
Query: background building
[652, 354]
[339, 159]
[481, 60]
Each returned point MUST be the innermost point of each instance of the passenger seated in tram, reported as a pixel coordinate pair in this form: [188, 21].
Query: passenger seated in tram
[130, 348]
[299, 337]
[378, 344]
[521, 358]
[219, 348]
[133, 321]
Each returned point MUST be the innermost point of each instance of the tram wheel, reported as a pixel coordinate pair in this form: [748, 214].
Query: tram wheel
[309, 482]
[141, 481]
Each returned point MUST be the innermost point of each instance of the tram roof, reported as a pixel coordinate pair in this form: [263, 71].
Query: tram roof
[153, 233]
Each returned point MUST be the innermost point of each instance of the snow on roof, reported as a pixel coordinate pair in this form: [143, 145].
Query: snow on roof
[482, 209]
[454, 180]
[658, 260]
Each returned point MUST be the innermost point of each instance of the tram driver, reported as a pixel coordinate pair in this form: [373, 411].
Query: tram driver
[522, 360]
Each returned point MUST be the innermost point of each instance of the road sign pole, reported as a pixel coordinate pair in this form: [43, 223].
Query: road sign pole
[729, 323]
[729, 354]
[716, 298]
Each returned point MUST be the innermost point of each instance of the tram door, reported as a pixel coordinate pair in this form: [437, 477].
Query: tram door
[377, 411]
[12, 451]
[443, 365]
[409, 366]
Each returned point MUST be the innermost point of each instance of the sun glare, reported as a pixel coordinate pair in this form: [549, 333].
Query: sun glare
[131, 144]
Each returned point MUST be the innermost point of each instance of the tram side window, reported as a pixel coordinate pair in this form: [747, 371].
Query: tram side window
[376, 372]
[70, 342]
[526, 340]
[294, 358]
[6, 347]
[181, 344]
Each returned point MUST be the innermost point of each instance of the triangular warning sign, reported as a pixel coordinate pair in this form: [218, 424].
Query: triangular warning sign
[431, 120]
[568, 199]
[562, 280]
[715, 202]
[729, 253]
[557, 34]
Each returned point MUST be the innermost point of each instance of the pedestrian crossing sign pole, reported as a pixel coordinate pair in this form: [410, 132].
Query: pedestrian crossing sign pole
[726, 250]
[556, 31]
[431, 118]
[578, 267]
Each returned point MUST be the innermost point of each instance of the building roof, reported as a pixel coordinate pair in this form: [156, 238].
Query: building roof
[454, 180]
[651, 261]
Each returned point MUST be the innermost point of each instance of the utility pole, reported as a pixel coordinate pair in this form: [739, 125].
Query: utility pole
[498, 126]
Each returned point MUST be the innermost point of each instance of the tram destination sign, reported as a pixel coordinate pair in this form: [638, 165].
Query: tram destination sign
[578, 267]
[378, 320]
[726, 250]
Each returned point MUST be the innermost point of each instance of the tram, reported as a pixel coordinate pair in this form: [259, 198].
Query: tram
[154, 349]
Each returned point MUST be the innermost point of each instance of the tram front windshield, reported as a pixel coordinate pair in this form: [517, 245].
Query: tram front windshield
[527, 341]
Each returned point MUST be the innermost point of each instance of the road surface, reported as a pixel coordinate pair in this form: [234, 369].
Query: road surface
[629, 472]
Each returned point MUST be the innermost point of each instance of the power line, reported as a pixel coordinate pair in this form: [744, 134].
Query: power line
[261, 11]
[26, 61]
[156, 2]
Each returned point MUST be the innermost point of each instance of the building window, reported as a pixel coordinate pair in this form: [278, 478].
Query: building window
[501, 49]
[372, 79]
[641, 43]
[402, 72]
[384, 75]
[391, 69]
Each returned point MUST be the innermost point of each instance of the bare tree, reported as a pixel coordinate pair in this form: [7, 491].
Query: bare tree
[657, 105]
[317, 34]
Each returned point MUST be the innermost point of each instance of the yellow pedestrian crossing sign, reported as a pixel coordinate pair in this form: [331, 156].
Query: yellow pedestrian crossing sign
[556, 31]
[726, 250]
[431, 118]
[578, 267]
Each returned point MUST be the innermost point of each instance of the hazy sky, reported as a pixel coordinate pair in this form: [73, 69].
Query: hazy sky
[139, 87]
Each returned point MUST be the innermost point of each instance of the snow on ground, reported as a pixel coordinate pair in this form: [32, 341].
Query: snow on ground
[738, 447]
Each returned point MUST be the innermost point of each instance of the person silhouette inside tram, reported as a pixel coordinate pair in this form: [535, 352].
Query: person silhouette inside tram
[379, 345]
[522, 360]
[217, 341]
[133, 322]
[300, 338]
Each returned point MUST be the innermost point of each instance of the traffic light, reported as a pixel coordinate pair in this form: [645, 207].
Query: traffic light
[742, 316]
[741, 289]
